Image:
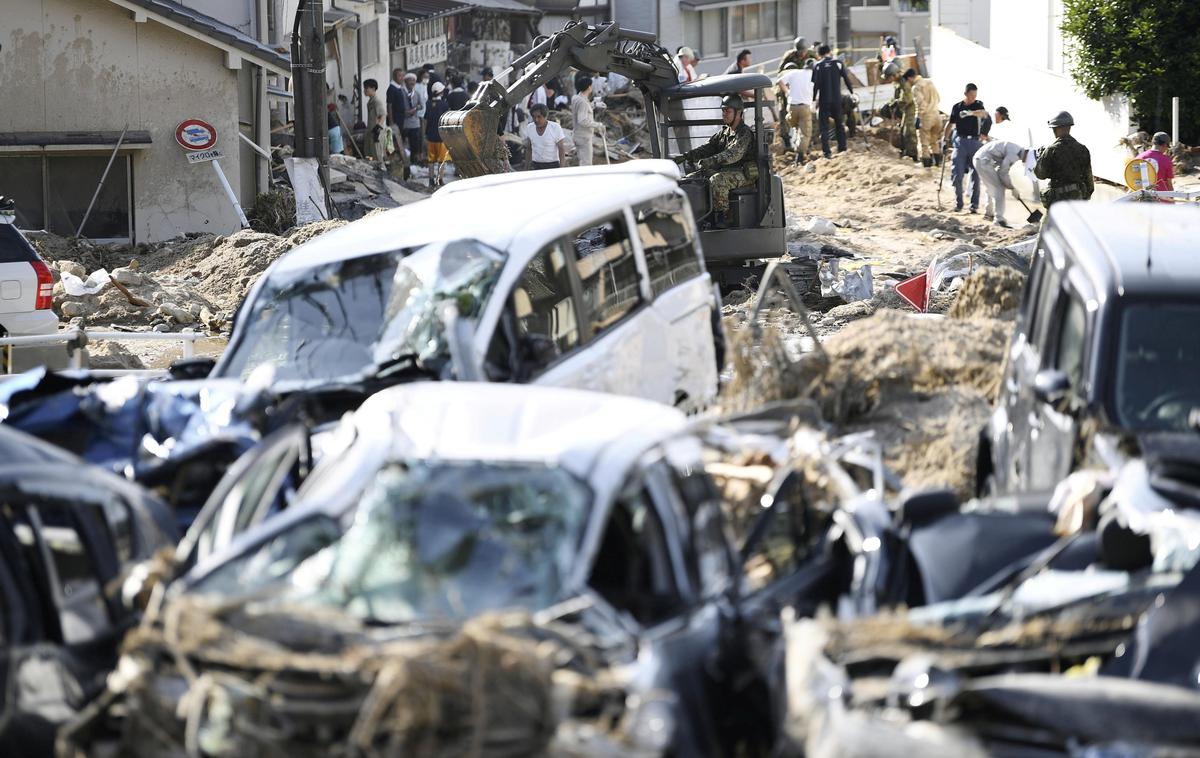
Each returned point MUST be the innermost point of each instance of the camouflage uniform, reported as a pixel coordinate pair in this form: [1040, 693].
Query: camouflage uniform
[929, 142]
[1068, 166]
[729, 161]
[908, 119]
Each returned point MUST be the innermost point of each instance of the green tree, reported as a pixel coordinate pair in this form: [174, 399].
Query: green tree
[1148, 50]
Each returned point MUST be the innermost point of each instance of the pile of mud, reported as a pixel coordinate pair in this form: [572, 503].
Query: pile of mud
[923, 384]
[991, 292]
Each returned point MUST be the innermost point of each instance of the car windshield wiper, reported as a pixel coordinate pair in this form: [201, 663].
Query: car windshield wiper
[401, 364]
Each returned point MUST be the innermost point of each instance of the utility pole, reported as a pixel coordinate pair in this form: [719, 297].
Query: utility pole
[308, 75]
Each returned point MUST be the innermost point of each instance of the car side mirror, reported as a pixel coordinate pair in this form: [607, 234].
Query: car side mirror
[1053, 388]
[191, 368]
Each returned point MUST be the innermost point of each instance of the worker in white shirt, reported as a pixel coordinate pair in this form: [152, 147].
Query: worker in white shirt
[545, 141]
[685, 64]
[798, 85]
[583, 120]
[993, 161]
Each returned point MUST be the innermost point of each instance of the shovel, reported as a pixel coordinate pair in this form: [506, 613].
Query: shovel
[1034, 217]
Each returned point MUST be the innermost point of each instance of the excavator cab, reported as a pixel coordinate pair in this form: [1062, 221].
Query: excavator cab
[689, 115]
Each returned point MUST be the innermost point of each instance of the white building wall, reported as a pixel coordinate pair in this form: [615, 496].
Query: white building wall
[970, 19]
[1032, 94]
[83, 65]
[240, 14]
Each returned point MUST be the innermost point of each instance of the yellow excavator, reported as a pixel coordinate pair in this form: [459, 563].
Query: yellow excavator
[680, 117]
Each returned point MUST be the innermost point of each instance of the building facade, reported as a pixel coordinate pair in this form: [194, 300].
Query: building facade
[84, 71]
[1019, 61]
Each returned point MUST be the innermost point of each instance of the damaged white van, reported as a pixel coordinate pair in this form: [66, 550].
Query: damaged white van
[589, 278]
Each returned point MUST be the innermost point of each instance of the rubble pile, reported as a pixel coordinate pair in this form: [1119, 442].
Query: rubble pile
[195, 281]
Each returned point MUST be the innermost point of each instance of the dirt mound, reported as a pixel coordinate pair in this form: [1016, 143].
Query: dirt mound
[224, 268]
[992, 292]
[112, 355]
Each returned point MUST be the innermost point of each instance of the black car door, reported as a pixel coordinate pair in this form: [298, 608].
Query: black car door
[1025, 360]
[1053, 424]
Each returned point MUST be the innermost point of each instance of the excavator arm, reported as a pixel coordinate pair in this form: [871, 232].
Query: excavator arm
[472, 135]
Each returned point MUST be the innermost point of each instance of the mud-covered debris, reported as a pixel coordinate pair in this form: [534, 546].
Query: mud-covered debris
[992, 292]
[240, 679]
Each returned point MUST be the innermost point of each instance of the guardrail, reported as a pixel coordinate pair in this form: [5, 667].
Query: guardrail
[77, 340]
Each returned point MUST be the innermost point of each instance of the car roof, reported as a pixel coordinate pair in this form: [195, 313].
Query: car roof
[493, 209]
[595, 436]
[1139, 248]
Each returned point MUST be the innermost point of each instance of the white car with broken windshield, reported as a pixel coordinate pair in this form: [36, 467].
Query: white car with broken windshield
[588, 278]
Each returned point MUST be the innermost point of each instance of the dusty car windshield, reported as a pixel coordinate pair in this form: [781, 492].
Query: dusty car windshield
[1158, 366]
[351, 318]
[428, 542]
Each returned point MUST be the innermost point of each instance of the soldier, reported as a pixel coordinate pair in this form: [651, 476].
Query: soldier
[929, 119]
[908, 115]
[1066, 163]
[799, 53]
[728, 160]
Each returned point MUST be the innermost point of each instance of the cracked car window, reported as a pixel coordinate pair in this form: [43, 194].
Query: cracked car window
[431, 541]
[348, 319]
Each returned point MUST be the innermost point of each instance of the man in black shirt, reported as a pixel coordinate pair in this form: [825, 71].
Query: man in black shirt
[968, 121]
[827, 77]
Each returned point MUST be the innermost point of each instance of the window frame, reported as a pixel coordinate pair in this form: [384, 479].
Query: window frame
[44, 159]
[776, 31]
[693, 237]
[509, 312]
[645, 296]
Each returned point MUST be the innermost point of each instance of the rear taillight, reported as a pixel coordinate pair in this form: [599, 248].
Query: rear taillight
[45, 287]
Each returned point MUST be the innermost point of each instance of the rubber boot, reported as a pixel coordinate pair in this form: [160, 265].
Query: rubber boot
[927, 162]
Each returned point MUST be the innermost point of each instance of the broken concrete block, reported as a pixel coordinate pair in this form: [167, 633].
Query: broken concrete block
[73, 309]
[176, 313]
[71, 267]
[126, 276]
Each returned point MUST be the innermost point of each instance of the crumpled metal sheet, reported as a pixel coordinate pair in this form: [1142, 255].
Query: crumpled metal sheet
[850, 286]
[142, 429]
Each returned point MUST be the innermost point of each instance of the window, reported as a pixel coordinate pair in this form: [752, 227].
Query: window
[763, 22]
[53, 193]
[666, 235]
[608, 273]
[633, 568]
[1071, 332]
[704, 32]
[709, 558]
[1158, 366]
[55, 550]
[1043, 308]
[544, 319]
[369, 35]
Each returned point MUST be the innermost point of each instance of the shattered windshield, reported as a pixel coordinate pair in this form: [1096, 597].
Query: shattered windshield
[428, 541]
[364, 316]
[1158, 367]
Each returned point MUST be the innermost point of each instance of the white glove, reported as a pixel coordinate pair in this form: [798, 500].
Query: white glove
[854, 97]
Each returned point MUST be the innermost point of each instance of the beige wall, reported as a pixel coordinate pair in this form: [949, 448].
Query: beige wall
[85, 65]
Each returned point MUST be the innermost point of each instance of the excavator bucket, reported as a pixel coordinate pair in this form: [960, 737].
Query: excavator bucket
[471, 135]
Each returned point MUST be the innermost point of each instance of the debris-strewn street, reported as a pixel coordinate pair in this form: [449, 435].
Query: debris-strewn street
[470, 379]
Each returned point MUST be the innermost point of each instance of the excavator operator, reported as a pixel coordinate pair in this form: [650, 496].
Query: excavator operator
[727, 161]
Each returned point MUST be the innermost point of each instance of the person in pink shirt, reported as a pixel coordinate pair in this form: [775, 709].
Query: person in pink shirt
[1162, 162]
